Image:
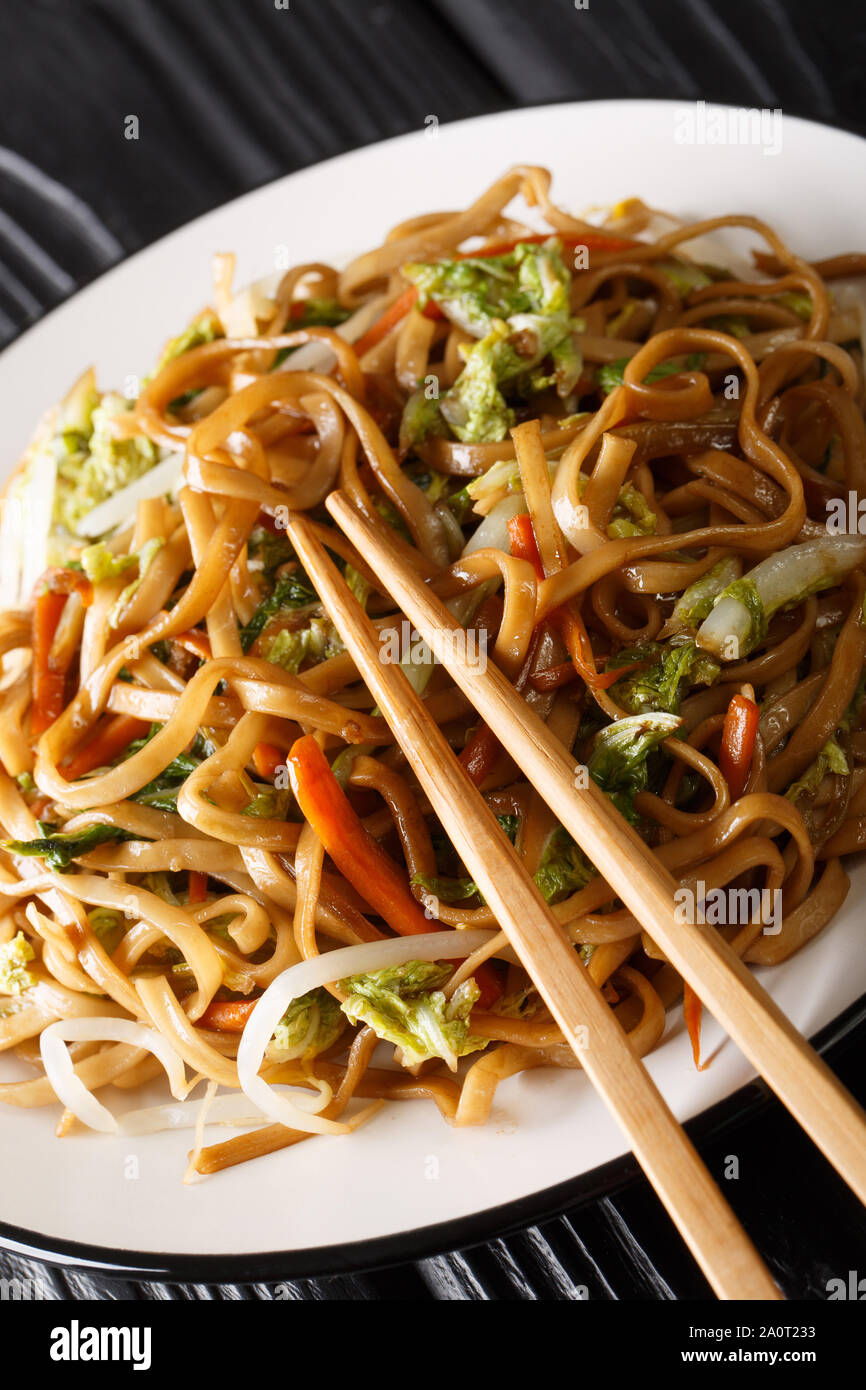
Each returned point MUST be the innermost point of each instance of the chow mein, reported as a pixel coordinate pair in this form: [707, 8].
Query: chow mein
[628, 454]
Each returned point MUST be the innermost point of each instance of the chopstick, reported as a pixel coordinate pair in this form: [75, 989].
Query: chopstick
[711, 1231]
[800, 1078]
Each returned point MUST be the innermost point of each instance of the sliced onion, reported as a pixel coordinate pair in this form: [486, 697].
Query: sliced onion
[325, 970]
[157, 481]
[70, 1089]
[317, 356]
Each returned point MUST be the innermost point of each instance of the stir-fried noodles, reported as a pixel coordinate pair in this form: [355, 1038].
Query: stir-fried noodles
[628, 457]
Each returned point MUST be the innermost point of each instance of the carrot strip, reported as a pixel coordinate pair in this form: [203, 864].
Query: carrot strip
[392, 316]
[267, 758]
[524, 546]
[196, 642]
[593, 241]
[227, 1015]
[197, 886]
[48, 683]
[692, 1013]
[359, 857]
[738, 743]
[567, 618]
[111, 738]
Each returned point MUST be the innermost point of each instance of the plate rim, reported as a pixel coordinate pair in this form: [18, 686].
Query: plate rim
[9, 349]
[422, 1242]
[475, 1228]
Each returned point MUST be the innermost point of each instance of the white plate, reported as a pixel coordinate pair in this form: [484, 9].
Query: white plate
[407, 1169]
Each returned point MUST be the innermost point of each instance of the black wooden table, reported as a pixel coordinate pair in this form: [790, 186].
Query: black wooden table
[232, 93]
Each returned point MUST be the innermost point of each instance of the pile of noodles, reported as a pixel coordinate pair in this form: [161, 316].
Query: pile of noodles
[725, 474]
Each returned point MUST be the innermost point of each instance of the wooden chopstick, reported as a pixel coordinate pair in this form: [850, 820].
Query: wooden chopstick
[711, 1231]
[800, 1078]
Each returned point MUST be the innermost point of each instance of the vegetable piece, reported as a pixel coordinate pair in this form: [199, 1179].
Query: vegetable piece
[359, 857]
[197, 892]
[85, 479]
[405, 1006]
[15, 956]
[268, 759]
[738, 743]
[162, 792]
[48, 683]
[696, 602]
[59, 849]
[741, 612]
[203, 329]
[830, 759]
[290, 649]
[227, 1015]
[480, 754]
[290, 592]
[611, 374]
[391, 317]
[111, 738]
[523, 543]
[564, 868]
[576, 638]
[660, 676]
[99, 564]
[447, 890]
[618, 761]
[310, 1025]
[692, 1011]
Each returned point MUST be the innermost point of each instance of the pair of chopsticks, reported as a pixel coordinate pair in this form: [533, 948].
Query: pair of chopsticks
[710, 1229]
[800, 1078]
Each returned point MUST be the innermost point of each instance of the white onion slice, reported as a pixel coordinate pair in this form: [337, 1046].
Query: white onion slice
[70, 1089]
[317, 356]
[325, 970]
[157, 481]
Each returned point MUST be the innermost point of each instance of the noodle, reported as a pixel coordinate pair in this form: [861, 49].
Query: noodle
[620, 474]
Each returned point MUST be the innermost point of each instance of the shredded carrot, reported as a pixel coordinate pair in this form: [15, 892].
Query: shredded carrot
[197, 886]
[593, 241]
[739, 732]
[227, 1015]
[576, 638]
[112, 736]
[48, 683]
[194, 641]
[267, 758]
[359, 857]
[392, 316]
[692, 1012]
[524, 546]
